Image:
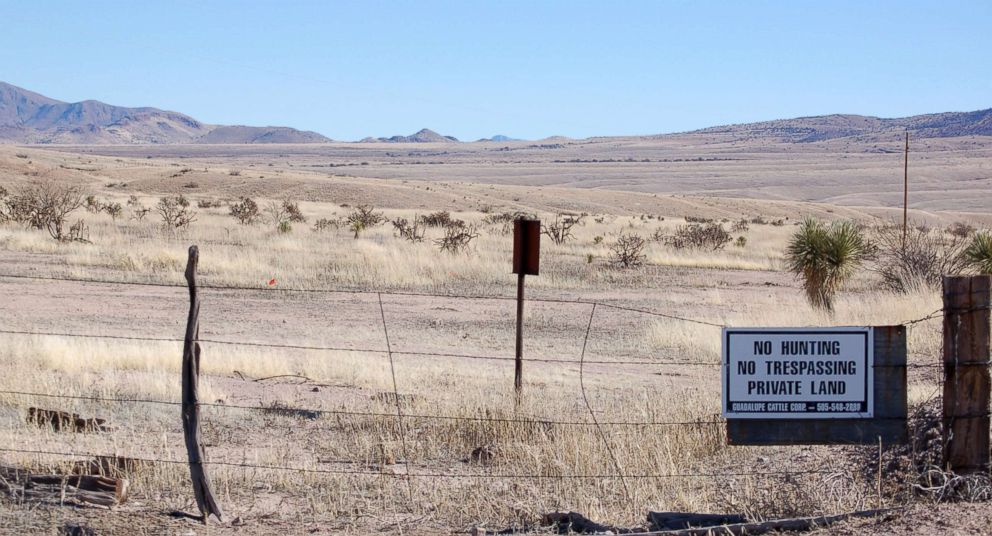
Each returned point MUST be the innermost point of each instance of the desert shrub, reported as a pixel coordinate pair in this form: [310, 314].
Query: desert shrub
[440, 218]
[175, 212]
[284, 227]
[696, 219]
[364, 217]
[628, 251]
[209, 203]
[140, 213]
[825, 258]
[741, 241]
[324, 224]
[961, 229]
[560, 230]
[410, 231]
[114, 210]
[46, 206]
[133, 201]
[928, 255]
[246, 211]
[293, 212]
[698, 236]
[740, 226]
[5, 208]
[597, 240]
[456, 239]
[979, 252]
[92, 204]
[505, 220]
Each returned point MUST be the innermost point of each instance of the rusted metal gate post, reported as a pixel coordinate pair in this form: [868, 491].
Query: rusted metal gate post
[190, 405]
[526, 261]
[966, 373]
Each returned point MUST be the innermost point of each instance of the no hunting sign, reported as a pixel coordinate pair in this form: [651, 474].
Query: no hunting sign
[792, 373]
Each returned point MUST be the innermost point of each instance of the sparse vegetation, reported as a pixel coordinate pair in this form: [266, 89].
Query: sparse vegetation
[175, 212]
[441, 218]
[825, 257]
[628, 251]
[114, 210]
[323, 224]
[246, 211]
[411, 232]
[710, 236]
[364, 217]
[979, 252]
[456, 239]
[46, 206]
[927, 256]
[560, 230]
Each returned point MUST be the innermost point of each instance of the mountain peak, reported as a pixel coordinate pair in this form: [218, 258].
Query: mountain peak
[424, 135]
[28, 117]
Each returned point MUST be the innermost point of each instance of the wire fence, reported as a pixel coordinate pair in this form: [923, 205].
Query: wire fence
[400, 415]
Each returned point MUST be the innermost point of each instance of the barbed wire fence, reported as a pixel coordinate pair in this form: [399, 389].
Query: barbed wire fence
[400, 415]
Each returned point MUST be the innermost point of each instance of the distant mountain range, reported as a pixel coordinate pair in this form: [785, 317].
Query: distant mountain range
[27, 117]
[828, 127]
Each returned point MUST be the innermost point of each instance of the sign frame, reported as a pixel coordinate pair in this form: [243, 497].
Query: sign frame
[864, 363]
[889, 423]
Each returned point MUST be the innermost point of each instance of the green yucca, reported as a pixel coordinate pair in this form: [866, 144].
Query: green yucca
[979, 252]
[825, 257]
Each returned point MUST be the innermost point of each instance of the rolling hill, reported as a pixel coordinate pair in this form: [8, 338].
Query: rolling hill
[29, 118]
[424, 135]
[828, 127]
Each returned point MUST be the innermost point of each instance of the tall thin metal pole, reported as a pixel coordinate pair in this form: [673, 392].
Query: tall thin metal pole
[518, 377]
[905, 194]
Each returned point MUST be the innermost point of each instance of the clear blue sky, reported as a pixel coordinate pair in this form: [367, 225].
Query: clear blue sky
[527, 69]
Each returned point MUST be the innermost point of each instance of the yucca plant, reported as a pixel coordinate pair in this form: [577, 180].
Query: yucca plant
[825, 257]
[979, 252]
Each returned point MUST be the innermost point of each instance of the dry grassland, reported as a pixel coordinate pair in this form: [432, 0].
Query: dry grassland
[358, 468]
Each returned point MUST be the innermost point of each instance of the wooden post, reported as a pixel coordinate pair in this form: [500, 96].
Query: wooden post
[966, 373]
[905, 194]
[190, 404]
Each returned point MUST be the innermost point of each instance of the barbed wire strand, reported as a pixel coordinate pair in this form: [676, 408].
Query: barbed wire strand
[351, 350]
[433, 475]
[352, 413]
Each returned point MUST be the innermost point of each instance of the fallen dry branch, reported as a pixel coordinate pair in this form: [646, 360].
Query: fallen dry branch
[92, 490]
[749, 529]
[689, 524]
[62, 421]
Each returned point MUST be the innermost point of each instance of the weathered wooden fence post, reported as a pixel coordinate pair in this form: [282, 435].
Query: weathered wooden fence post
[190, 405]
[966, 373]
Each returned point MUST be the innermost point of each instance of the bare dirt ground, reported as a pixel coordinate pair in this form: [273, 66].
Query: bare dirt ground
[703, 177]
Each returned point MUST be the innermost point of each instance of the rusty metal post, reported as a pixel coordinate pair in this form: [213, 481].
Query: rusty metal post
[966, 373]
[518, 369]
[526, 261]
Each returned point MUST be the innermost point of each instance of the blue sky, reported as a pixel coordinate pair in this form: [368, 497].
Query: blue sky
[527, 69]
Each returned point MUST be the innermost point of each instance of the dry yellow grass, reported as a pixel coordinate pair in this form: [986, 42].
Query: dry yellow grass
[736, 286]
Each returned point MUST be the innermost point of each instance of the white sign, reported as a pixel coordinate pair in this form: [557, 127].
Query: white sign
[798, 373]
